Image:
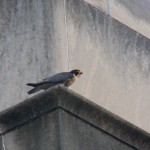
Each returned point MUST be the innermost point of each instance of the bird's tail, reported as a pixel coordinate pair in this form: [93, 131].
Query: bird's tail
[36, 89]
[32, 84]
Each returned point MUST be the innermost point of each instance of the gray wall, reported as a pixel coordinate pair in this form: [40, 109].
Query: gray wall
[39, 134]
[1, 144]
[61, 119]
[32, 45]
[54, 131]
[133, 13]
[41, 38]
[115, 60]
[84, 136]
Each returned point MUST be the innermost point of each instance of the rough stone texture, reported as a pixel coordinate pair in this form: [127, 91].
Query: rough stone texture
[39, 38]
[68, 120]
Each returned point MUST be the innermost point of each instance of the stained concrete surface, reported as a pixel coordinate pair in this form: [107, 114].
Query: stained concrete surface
[115, 59]
[72, 133]
[51, 133]
[39, 134]
[81, 135]
[65, 118]
[32, 40]
[139, 9]
[100, 4]
[134, 14]
[39, 38]
[1, 144]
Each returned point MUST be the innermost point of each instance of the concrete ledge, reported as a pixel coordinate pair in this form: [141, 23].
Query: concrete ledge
[60, 97]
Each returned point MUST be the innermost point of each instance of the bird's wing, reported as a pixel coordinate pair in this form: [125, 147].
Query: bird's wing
[58, 78]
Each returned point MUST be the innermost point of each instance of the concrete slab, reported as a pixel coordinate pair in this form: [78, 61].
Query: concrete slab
[61, 130]
[67, 120]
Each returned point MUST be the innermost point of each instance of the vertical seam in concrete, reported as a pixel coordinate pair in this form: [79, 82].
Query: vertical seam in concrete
[67, 42]
[60, 129]
[108, 6]
[3, 142]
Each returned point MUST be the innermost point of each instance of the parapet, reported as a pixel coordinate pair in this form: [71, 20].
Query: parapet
[61, 119]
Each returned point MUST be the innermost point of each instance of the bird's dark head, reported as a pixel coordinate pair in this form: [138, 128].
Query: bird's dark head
[76, 72]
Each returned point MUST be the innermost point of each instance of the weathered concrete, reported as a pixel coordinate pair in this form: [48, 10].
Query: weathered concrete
[115, 61]
[38, 134]
[99, 4]
[77, 134]
[32, 39]
[1, 144]
[39, 38]
[134, 14]
[68, 120]
[68, 133]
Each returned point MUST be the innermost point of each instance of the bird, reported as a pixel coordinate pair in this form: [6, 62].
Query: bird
[65, 78]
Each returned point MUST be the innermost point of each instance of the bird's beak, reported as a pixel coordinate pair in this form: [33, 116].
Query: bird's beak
[81, 72]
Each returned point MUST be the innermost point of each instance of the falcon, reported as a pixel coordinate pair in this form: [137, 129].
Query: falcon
[65, 78]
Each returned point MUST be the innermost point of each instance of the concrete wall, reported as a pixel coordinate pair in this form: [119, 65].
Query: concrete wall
[47, 132]
[40, 134]
[115, 60]
[134, 14]
[1, 144]
[41, 38]
[61, 119]
[32, 45]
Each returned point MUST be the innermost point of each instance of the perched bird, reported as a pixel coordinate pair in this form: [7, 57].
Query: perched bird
[65, 78]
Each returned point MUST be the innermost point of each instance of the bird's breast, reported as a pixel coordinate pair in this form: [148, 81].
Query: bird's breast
[70, 82]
